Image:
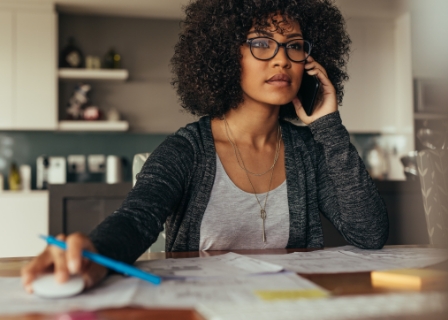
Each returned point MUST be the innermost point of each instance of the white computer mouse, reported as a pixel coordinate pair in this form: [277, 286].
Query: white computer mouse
[46, 286]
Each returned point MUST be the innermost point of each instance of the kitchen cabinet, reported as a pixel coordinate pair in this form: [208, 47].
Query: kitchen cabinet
[6, 67]
[28, 82]
[23, 216]
[379, 95]
[80, 207]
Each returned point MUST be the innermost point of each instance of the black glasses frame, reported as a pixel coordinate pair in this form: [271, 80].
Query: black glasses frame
[280, 44]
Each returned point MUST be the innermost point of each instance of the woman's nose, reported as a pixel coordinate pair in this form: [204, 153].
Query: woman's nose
[281, 58]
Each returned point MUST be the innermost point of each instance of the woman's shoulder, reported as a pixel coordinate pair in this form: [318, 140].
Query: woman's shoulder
[196, 134]
[193, 138]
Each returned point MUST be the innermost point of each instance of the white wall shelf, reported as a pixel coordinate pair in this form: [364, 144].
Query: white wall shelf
[75, 125]
[93, 74]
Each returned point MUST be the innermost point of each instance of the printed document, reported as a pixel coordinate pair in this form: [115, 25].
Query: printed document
[378, 306]
[119, 291]
[351, 259]
[226, 265]
[189, 292]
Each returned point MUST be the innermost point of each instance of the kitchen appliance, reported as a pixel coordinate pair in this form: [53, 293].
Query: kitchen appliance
[50, 170]
[25, 175]
[114, 169]
[409, 162]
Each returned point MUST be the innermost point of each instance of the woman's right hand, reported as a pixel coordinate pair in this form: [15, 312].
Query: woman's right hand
[65, 263]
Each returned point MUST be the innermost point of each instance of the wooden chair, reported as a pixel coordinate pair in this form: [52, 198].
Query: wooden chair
[433, 172]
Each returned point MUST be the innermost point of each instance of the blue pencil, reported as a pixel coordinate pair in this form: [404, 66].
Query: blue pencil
[108, 262]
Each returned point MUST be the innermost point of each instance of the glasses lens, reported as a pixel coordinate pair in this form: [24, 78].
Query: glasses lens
[298, 50]
[263, 48]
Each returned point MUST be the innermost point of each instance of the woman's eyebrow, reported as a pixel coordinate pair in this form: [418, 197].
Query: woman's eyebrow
[294, 35]
[269, 34]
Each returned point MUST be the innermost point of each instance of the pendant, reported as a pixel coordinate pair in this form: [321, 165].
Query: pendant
[263, 217]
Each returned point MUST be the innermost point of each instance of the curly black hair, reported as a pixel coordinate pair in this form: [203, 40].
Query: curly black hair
[206, 63]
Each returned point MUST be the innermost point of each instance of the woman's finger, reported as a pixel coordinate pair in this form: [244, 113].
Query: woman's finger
[60, 262]
[315, 65]
[93, 274]
[36, 267]
[312, 64]
[323, 78]
[76, 243]
[316, 70]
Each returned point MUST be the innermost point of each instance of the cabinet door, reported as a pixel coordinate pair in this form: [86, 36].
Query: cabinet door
[23, 216]
[36, 83]
[6, 69]
[370, 92]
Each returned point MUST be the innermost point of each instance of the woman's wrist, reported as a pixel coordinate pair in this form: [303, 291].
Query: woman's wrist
[326, 122]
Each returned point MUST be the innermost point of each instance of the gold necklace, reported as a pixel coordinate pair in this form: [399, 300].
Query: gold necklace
[238, 153]
[263, 214]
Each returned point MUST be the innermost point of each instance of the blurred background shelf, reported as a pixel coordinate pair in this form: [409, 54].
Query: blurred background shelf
[430, 116]
[93, 74]
[75, 125]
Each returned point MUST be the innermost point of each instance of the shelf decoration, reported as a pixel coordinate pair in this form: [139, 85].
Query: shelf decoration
[77, 125]
[93, 74]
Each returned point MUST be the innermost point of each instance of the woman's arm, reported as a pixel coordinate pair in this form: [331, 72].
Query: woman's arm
[347, 195]
[129, 231]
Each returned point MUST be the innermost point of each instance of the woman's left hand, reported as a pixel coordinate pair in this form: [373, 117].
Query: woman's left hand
[326, 103]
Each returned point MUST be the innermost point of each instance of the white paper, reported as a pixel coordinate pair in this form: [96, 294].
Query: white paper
[377, 306]
[400, 257]
[226, 265]
[238, 290]
[351, 259]
[116, 291]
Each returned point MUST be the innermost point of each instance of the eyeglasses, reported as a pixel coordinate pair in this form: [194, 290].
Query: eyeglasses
[264, 48]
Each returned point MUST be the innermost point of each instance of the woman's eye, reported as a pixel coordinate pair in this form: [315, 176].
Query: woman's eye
[260, 44]
[295, 46]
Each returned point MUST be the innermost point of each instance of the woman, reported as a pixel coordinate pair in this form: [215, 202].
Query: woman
[242, 177]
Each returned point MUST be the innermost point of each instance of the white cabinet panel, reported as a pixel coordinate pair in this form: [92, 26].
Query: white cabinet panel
[370, 91]
[379, 93]
[23, 216]
[6, 69]
[36, 82]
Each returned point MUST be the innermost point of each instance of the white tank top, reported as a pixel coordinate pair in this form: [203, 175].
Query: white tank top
[232, 218]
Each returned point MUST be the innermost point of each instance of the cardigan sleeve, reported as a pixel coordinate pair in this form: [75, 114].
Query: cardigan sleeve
[130, 230]
[347, 195]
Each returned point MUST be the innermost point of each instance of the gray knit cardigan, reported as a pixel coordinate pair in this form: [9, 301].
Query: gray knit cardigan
[323, 174]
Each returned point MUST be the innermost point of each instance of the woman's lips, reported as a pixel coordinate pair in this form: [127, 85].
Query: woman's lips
[279, 80]
[279, 83]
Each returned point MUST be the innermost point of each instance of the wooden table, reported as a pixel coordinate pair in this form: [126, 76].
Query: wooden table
[341, 284]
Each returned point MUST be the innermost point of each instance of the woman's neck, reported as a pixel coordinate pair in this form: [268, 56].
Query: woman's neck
[254, 125]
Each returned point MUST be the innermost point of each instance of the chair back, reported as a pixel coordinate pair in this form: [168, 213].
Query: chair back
[433, 172]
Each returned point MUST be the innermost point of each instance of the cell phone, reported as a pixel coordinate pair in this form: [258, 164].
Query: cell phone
[308, 92]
